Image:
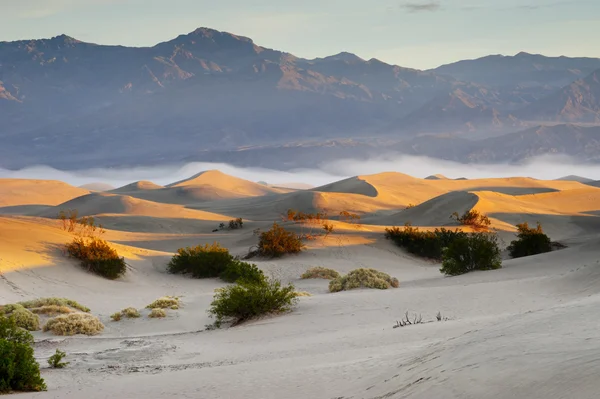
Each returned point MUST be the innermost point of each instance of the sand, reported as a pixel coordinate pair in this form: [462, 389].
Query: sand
[524, 331]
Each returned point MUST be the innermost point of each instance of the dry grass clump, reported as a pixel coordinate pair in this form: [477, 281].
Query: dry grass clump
[74, 323]
[130, 313]
[38, 303]
[52, 310]
[302, 293]
[320, 272]
[23, 317]
[363, 278]
[164, 302]
[157, 313]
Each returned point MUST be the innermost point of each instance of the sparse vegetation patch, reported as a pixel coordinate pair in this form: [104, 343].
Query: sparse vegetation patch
[157, 313]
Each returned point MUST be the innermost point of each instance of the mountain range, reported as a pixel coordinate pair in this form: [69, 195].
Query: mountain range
[211, 95]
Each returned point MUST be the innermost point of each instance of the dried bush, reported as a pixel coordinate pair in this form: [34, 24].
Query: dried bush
[472, 218]
[164, 303]
[55, 361]
[41, 302]
[157, 313]
[278, 241]
[328, 227]
[74, 323]
[530, 241]
[130, 313]
[52, 310]
[98, 257]
[202, 261]
[19, 370]
[363, 278]
[237, 270]
[320, 272]
[477, 251]
[246, 300]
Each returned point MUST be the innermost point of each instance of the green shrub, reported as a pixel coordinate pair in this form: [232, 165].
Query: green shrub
[202, 261]
[278, 241]
[426, 244]
[320, 272]
[246, 300]
[24, 318]
[472, 218]
[55, 361]
[19, 370]
[237, 270]
[363, 278]
[477, 251]
[74, 323]
[98, 257]
[530, 241]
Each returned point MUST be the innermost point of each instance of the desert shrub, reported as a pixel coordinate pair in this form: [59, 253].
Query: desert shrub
[41, 302]
[237, 270]
[472, 218]
[55, 361]
[530, 241]
[174, 307]
[157, 313]
[130, 313]
[19, 370]
[164, 303]
[74, 323]
[477, 251]
[24, 318]
[87, 224]
[278, 241]
[320, 272]
[202, 261]
[246, 300]
[236, 224]
[427, 244]
[363, 278]
[98, 257]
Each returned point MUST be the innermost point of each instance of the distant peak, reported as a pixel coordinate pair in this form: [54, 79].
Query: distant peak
[65, 39]
[345, 56]
[523, 54]
[213, 33]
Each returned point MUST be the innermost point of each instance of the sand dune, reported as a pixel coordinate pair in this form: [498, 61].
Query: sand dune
[98, 186]
[18, 192]
[510, 332]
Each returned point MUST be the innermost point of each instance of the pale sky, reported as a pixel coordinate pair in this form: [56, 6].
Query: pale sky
[416, 33]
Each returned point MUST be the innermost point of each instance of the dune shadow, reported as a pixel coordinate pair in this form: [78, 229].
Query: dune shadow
[25, 210]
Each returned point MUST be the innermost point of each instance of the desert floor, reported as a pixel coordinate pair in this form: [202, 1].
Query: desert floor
[529, 330]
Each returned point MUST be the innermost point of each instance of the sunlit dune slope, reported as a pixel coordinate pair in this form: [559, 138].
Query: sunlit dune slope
[106, 204]
[15, 192]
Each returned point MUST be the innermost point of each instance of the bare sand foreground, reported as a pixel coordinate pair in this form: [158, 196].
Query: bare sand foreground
[529, 330]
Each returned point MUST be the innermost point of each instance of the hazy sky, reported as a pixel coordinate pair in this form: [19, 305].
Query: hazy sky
[420, 34]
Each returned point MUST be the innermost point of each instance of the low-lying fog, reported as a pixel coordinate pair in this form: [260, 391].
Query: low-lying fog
[545, 167]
